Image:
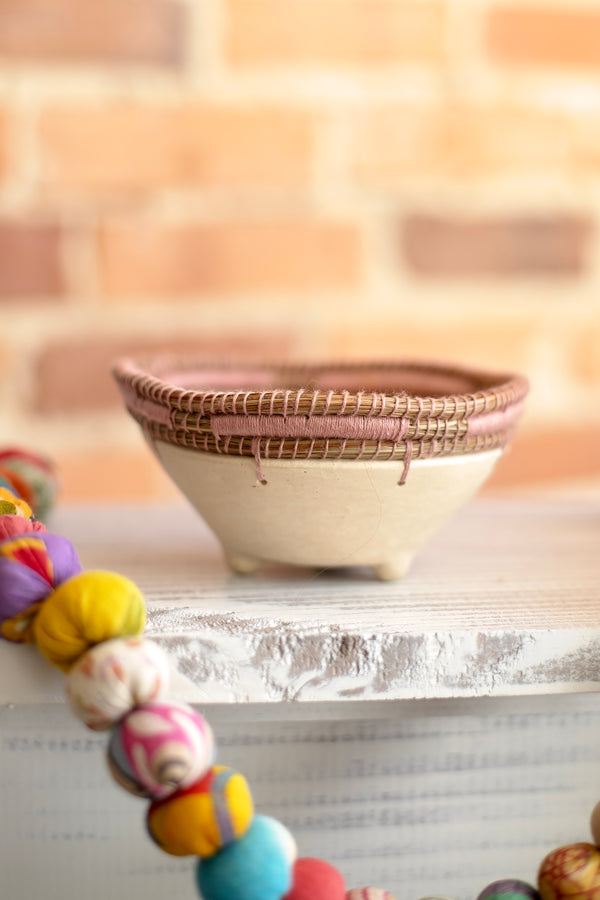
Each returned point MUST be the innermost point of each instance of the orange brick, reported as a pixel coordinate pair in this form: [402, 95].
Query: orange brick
[6, 358]
[329, 32]
[585, 142]
[140, 260]
[495, 343]
[110, 475]
[96, 31]
[544, 35]
[3, 144]
[73, 375]
[548, 455]
[31, 264]
[500, 247]
[128, 147]
[469, 142]
[586, 355]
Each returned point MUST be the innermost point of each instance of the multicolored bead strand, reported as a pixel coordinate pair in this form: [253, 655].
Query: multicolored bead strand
[90, 625]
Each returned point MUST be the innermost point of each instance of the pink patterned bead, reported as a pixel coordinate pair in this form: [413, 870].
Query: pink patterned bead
[113, 677]
[160, 747]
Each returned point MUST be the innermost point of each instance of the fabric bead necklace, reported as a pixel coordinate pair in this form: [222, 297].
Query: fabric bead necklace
[90, 624]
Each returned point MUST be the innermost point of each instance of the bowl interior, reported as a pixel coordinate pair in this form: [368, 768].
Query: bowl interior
[417, 379]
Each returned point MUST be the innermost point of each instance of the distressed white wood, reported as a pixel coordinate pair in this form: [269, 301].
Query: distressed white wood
[504, 601]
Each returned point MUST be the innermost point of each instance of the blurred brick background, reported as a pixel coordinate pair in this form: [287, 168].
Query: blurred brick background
[312, 178]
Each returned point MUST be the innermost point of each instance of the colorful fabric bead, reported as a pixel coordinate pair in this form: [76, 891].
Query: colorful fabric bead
[32, 566]
[113, 677]
[257, 867]
[159, 748]
[432, 897]
[205, 817]
[11, 526]
[12, 505]
[315, 879]
[6, 483]
[33, 476]
[17, 485]
[85, 610]
[372, 893]
[571, 872]
[595, 824]
[508, 889]
[19, 629]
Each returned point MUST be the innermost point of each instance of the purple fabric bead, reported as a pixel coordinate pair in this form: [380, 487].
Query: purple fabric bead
[32, 565]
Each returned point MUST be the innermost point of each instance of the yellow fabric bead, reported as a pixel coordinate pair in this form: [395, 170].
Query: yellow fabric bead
[204, 818]
[85, 610]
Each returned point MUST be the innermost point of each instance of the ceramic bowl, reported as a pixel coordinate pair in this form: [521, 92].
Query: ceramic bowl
[323, 466]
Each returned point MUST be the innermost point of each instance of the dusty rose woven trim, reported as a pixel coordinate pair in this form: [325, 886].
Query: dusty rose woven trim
[303, 448]
[145, 408]
[360, 428]
[497, 420]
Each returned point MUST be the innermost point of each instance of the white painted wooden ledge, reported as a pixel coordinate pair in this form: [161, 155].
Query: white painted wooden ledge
[505, 601]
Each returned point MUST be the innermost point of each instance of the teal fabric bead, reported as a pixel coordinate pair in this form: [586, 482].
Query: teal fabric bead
[509, 889]
[256, 867]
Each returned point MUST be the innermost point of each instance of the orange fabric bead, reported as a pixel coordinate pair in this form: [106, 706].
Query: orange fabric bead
[202, 819]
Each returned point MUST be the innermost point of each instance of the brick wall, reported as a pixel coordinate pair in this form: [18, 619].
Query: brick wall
[313, 178]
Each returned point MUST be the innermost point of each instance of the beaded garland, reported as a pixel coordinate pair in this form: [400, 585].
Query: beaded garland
[90, 625]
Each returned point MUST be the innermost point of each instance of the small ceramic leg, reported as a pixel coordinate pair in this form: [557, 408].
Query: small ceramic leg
[393, 569]
[243, 565]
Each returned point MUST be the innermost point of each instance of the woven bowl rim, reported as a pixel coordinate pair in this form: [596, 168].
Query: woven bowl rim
[490, 389]
[307, 421]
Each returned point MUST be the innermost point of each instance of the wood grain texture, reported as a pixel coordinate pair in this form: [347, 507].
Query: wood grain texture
[439, 801]
[505, 601]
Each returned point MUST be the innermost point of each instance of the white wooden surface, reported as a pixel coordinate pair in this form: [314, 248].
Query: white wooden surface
[504, 601]
[419, 795]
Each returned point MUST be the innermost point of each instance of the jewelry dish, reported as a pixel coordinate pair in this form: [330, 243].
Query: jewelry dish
[323, 465]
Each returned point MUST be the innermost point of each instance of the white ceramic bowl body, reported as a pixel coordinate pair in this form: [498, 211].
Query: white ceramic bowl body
[324, 513]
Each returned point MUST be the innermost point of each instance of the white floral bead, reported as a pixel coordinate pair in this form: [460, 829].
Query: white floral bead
[115, 676]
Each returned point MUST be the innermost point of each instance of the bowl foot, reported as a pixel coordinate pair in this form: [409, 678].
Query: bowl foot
[243, 565]
[393, 569]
